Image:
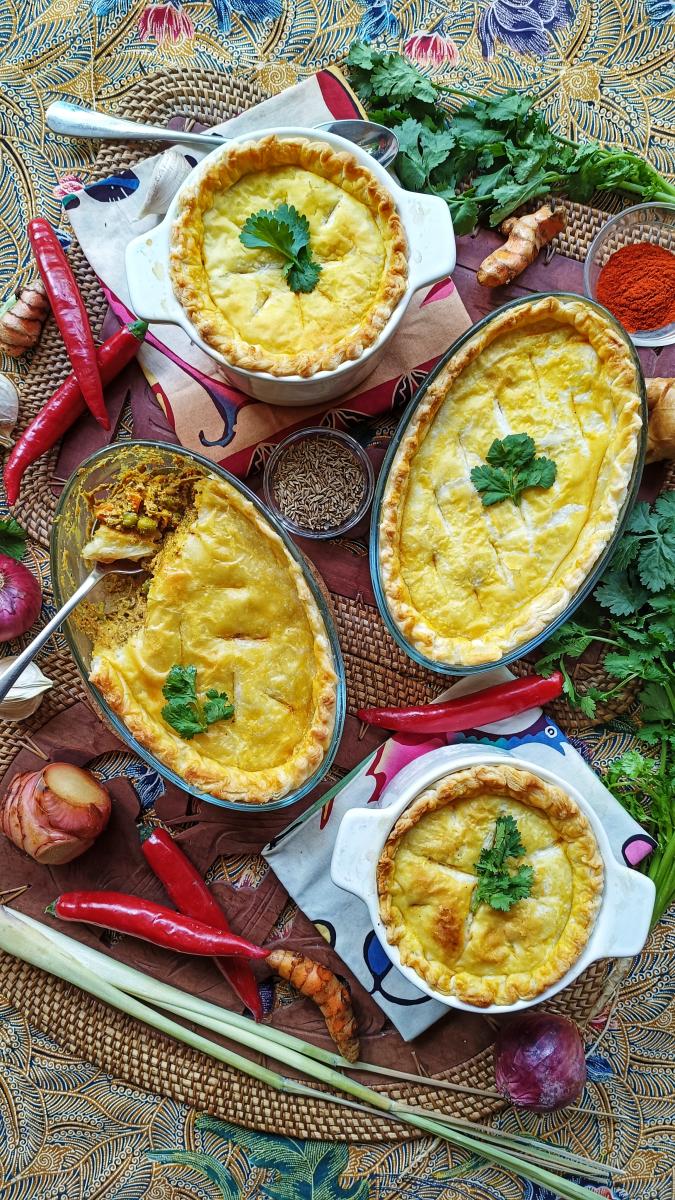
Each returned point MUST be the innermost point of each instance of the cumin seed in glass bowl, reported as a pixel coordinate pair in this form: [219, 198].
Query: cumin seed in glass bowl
[318, 483]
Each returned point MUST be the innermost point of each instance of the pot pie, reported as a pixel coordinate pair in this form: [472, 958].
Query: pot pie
[239, 299]
[467, 584]
[227, 598]
[426, 877]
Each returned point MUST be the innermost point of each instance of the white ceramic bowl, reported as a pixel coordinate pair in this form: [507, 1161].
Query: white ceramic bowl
[622, 923]
[431, 256]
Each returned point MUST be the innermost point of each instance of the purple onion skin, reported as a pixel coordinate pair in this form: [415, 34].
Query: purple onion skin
[540, 1062]
[20, 598]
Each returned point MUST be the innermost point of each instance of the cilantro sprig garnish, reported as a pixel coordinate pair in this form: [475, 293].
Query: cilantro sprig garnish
[512, 468]
[286, 231]
[185, 711]
[12, 538]
[497, 885]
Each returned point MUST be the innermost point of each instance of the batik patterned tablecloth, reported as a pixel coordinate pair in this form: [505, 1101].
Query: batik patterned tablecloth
[602, 69]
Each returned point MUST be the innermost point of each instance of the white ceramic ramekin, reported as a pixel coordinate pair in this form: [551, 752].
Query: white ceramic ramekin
[431, 256]
[622, 923]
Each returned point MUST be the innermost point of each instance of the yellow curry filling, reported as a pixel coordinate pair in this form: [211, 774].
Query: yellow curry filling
[224, 597]
[348, 239]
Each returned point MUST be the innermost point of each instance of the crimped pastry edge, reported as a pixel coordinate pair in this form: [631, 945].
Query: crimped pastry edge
[569, 822]
[232, 783]
[190, 281]
[549, 605]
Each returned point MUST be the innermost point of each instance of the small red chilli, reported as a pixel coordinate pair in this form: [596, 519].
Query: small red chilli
[152, 923]
[467, 712]
[192, 896]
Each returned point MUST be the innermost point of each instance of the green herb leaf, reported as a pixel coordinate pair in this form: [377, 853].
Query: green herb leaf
[620, 594]
[496, 885]
[286, 231]
[512, 469]
[12, 538]
[184, 712]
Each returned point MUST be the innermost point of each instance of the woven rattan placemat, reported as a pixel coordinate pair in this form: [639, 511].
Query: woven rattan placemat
[377, 671]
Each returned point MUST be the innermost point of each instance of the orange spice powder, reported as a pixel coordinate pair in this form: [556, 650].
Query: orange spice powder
[637, 285]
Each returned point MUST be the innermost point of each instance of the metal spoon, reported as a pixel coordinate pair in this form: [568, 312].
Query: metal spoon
[9, 677]
[75, 121]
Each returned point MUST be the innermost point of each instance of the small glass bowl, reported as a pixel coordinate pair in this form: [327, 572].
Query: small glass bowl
[642, 223]
[319, 434]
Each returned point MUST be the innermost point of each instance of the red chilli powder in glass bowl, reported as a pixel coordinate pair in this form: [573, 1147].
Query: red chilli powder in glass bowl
[637, 285]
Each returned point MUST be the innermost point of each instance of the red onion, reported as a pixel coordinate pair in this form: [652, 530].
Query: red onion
[540, 1061]
[20, 598]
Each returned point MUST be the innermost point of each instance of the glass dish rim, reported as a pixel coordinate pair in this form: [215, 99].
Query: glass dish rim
[364, 462]
[650, 338]
[598, 567]
[112, 718]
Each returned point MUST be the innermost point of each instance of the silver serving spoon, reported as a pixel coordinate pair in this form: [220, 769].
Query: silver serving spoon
[75, 121]
[9, 677]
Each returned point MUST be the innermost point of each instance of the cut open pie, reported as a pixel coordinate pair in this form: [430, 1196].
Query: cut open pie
[427, 874]
[239, 298]
[227, 598]
[467, 583]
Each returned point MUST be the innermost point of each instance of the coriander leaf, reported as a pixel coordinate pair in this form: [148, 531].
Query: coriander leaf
[626, 552]
[539, 473]
[286, 231]
[496, 885]
[464, 213]
[361, 55]
[624, 666]
[664, 506]
[184, 712]
[303, 275]
[656, 564]
[493, 485]
[397, 78]
[12, 538]
[515, 450]
[642, 520]
[512, 469]
[185, 717]
[180, 684]
[217, 706]
[620, 594]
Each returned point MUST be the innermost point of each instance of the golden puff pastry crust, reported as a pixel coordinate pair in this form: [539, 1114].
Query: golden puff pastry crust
[228, 598]
[467, 584]
[238, 298]
[426, 877]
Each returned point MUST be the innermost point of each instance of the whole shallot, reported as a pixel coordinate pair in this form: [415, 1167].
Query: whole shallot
[55, 814]
[20, 598]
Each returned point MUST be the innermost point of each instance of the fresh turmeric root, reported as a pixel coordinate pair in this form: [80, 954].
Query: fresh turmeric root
[526, 237]
[319, 983]
[661, 427]
[22, 318]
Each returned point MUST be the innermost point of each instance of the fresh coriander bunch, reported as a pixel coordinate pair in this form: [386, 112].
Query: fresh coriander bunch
[493, 154]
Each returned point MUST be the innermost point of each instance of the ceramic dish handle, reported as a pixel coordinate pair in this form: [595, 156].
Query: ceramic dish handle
[432, 245]
[625, 923]
[150, 289]
[351, 866]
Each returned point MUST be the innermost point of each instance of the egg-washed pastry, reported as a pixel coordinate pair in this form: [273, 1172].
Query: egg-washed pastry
[427, 876]
[467, 583]
[229, 615]
[238, 297]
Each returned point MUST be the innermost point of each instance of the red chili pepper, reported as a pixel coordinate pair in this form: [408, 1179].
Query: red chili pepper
[150, 922]
[69, 313]
[466, 712]
[192, 896]
[66, 405]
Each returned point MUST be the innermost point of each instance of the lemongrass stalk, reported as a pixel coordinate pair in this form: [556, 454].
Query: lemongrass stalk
[203, 1012]
[38, 949]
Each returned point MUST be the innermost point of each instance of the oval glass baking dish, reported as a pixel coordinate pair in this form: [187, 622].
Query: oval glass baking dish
[600, 563]
[71, 529]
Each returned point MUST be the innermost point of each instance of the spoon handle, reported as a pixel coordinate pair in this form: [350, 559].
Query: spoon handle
[9, 677]
[76, 121]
